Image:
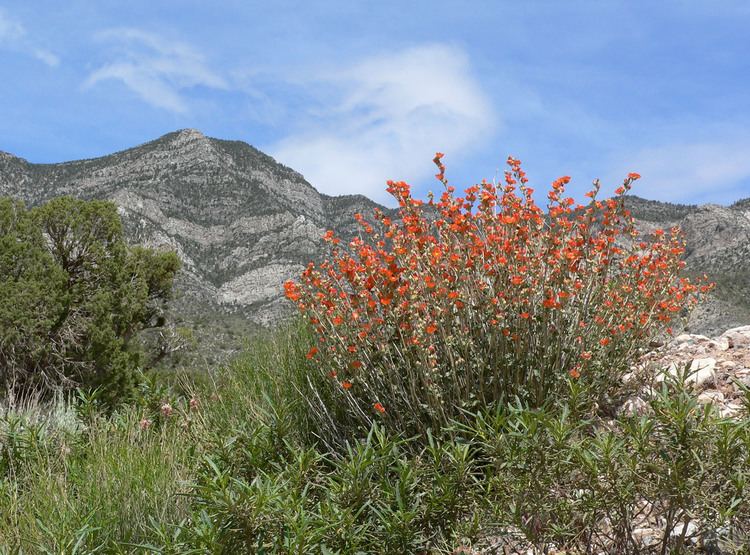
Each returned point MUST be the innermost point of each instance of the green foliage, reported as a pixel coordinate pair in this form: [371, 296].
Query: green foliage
[234, 467]
[75, 295]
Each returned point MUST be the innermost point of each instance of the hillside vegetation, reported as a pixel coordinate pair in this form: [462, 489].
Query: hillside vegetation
[455, 384]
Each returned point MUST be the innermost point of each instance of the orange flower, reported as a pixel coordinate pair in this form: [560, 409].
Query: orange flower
[432, 328]
[574, 373]
[633, 175]
[291, 291]
[311, 353]
[379, 407]
[604, 341]
[346, 385]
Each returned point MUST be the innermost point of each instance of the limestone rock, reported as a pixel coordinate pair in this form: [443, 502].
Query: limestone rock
[702, 370]
[716, 374]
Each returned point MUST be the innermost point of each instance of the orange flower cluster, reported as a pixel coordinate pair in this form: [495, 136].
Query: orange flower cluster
[467, 299]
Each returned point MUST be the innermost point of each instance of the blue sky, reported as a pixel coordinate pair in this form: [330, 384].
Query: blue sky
[354, 93]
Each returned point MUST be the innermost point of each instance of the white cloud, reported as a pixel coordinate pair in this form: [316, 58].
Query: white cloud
[700, 171]
[387, 118]
[154, 68]
[13, 36]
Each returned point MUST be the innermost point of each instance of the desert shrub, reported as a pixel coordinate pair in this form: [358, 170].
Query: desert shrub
[472, 300]
[671, 481]
[75, 296]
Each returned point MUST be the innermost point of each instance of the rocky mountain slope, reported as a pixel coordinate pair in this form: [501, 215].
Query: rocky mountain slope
[243, 223]
[718, 244]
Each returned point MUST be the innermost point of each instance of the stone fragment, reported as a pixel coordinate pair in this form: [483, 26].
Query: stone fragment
[719, 344]
[689, 529]
[737, 337]
[742, 376]
[731, 410]
[702, 371]
[647, 536]
[671, 370]
[634, 406]
[711, 396]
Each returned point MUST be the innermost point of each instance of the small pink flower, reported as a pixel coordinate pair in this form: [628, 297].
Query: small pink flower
[145, 423]
[167, 410]
[193, 403]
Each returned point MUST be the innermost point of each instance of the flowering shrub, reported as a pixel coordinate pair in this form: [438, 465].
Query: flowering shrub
[470, 300]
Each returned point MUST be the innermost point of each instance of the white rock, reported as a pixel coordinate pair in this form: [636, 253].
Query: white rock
[634, 406]
[702, 371]
[691, 338]
[720, 344]
[670, 370]
[737, 337]
[731, 410]
[689, 528]
[646, 536]
[741, 378]
[684, 338]
[711, 396]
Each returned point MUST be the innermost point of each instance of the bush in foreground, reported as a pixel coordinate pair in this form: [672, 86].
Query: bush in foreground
[231, 470]
[476, 300]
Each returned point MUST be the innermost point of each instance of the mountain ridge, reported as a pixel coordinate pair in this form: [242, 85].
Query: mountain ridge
[243, 223]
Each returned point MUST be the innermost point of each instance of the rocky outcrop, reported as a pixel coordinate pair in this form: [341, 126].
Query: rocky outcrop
[718, 244]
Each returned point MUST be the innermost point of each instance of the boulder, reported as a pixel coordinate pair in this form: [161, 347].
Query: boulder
[702, 371]
[737, 337]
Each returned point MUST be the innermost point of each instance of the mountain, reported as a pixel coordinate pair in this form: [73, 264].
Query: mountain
[718, 245]
[241, 222]
[244, 223]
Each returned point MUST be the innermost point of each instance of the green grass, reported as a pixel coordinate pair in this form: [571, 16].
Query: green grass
[244, 473]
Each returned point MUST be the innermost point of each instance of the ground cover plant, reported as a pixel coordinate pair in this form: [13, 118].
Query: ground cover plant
[494, 432]
[229, 465]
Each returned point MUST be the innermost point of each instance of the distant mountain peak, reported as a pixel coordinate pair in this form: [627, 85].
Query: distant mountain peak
[185, 136]
[190, 133]
[241, 222]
